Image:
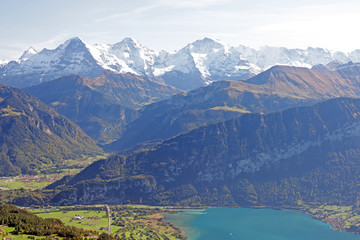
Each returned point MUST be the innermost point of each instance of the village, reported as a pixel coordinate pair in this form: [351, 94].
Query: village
[341, 218]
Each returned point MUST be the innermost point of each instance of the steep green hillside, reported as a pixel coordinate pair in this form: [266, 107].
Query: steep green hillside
[308, 154]
[101, 106]
[181, 113]
[276, 89]
[25, 222]
[34, 136]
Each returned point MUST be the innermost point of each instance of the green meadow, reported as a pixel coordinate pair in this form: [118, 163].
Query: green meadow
[129, 222]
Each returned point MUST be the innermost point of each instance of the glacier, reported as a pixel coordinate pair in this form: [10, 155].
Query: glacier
[197, 64]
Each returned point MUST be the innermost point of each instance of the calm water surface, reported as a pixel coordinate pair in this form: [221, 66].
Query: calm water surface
[254, 224]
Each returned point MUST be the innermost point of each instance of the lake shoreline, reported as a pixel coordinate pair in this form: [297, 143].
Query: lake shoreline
[339, 226]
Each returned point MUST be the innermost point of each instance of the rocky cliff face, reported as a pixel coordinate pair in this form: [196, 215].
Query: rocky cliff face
[308, 153]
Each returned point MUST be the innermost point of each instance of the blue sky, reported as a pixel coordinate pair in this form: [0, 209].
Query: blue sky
[171, 24]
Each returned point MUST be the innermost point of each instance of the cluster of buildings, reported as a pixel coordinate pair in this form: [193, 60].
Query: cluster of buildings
[78, 218]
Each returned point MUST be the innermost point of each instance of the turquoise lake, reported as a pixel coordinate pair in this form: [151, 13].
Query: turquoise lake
[254, 224]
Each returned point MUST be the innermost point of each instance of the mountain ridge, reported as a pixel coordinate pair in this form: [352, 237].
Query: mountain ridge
[68, 58]
[197, 64]
[276, 89]
[101, 106]
[307, 154]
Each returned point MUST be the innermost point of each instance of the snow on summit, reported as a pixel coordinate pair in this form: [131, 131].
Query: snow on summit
[27, 54]
[197, 64]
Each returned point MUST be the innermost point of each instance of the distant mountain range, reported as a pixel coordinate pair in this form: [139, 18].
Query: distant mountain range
[276, 89]
[195, 65]
[246, 131]
[101, 106]
[34, 136]
[309, 154]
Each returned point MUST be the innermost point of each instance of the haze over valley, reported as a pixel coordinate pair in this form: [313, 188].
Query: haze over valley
[114, 139]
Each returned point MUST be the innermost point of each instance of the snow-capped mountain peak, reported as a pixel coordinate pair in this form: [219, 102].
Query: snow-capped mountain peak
[130, 42]
[3, 62]
[70, 57]
[212, 60]
[206, 45]
[197, 64]
[129, 47]
[136, 56]
[72, 41]
[27, 54]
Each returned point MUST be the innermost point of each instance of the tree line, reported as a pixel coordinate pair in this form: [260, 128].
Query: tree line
[29, 223]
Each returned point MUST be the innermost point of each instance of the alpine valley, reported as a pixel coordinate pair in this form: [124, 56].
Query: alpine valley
[33, 135]
[207, 125]
[101, 106]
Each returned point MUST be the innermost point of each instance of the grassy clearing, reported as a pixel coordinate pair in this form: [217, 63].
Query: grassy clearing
[10, 112]
[28, 182]
[230, 109]
[93, 219]
[70, 166]
[8, 234]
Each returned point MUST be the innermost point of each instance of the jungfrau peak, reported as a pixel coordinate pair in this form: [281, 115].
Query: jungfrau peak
[195, 65]
[207, 60]
[216, 60]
